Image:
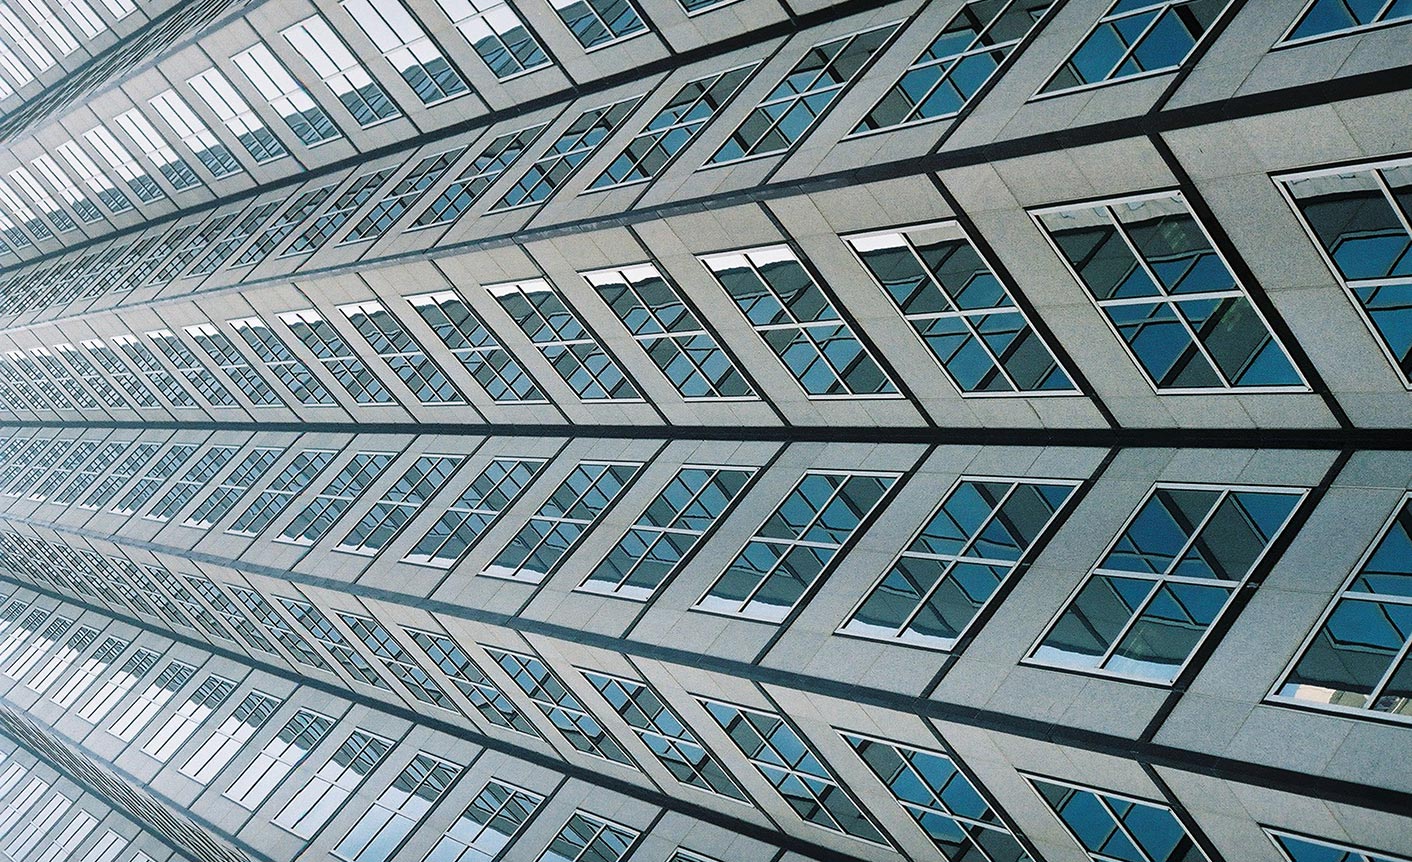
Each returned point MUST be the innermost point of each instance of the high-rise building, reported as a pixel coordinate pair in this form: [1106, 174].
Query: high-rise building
[705, 430]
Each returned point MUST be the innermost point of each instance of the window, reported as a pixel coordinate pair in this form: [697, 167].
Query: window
[1361, 220]
[672, 525]
[479, 175]
[230, 736]
[470, 341]
[101, 493]
[220, 252]
[792, 768]
[349, 201]
[339, 778]
[217, 504]
[208, 149]
[791, 109]
[290, 218]
[83, 16]
[1136, 38]
[400, 808]
[230, 612]
[961, 310]
[84, 478]
[229, 360]
[82, 206]
[598, 22]
[157, 475]
[1166, 578]
[197, 477]
[945, 804]
[36, 826]
[290, 483]
[91, 376]
[563, 340]
[973, 543]
[351, 372]
[65, 843]
[201, 240]
[94, 666]
[290, 371]
[665, 734]
[497, 34]
[324, 511]
[260, 609]
[108, 848]
[53, 27]
[83, 166]
[398, 36]
[400, 504]
[571, 510]
[487, 826]
[798, 322]
[1336, 17]
[1357, 659]
[574, 146]
[116, 688]
[1297, 849]
[31, 187]
[391, 341]
[586, 838]
[1168, 294]
[309, 122]
[468, 679]
[397, 660]
[496, 488]
[793, 549]
[196, 373]
[242, 121]
[403, 196]
[1109, 826]
[23, 631]
[674, 127]
[26, 216]
[333, 640]
[26, 660]
[366, 100]
[278, 758]
[206, 699]
[63, 658]
[204, 619]
[123, 164]
[957, 64]
[15, 809]
[559, 705]
[669, 332]
[177, 171]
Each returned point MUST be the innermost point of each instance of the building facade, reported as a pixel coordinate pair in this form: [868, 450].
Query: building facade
[705, 430]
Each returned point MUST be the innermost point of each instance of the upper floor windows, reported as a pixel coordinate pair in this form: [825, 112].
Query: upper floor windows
[941, 799]
[349, 80]
[400, 503]
[669, 332]
[487, 826]
[672, 525]
[304, 730]
[795, 105]
[479, 350]
[1336, 17]
[491, 493]
[586, 838]
[1166, 579]
[1109, 826]
[309, 122]
[347, 367]
[497, 34]
[1361, 219]
[960, 558]
[575, 145]
[958, 63]
[563, 340]
[402, 353]
[790, 552]
[322, 796]
[1297, 849]
[237, 115]
[559, 705]
[790, 766]
[799, 322]
[597, 22]
[176, 170]
[203, 144]
[1169, 295]
[674, 127]
[401, 39]
[1357, 659]
[961, 310]
[1137, 37]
